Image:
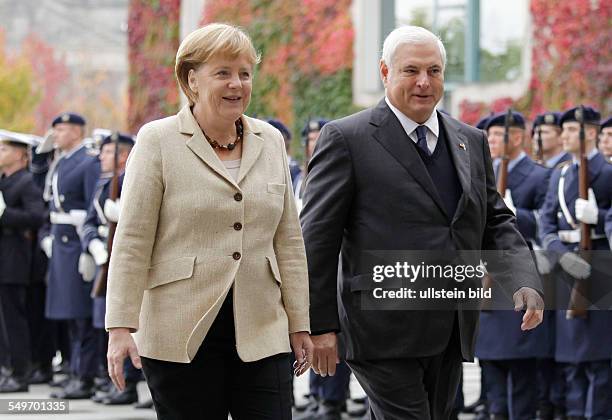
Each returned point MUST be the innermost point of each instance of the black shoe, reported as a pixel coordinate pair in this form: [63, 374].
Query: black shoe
[128, 396]
[307, 411]
[498, 417]
[63, 368]
[78, 389]
[360, 400]
[144, 404]
[311, 401]
[40, 376]
[12, 384]
[60, 383]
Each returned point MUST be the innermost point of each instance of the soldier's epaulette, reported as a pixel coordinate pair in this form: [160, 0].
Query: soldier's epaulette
[93, 152]
[563, 164]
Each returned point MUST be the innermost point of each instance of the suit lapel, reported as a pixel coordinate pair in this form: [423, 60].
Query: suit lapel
[251, 147]
[199, 145]
[392, 137]
[459, 149]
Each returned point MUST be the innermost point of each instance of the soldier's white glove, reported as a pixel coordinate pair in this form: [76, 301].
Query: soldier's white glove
[47, 144]
[575, 266]
[87, 267]
[509, 202]
[112, 209]
[542, 261]
[2, 204]
[586, 210]
[46, 244]
[98, 251]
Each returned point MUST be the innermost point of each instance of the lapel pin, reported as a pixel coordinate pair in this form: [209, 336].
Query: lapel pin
[461, 145]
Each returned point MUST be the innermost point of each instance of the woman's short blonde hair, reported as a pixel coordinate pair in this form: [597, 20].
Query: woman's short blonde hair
[212, 40]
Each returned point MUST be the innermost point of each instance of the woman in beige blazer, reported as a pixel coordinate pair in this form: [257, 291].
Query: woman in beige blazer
[208, 269]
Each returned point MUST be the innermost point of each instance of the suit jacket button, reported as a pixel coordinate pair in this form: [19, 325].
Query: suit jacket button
[238, 197]
[236, 255]
[238, 226]
[64, 239]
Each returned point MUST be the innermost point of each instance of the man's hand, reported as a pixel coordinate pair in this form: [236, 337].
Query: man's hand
[112, 209]
[87, 267]
[575, 266]
[586, 210]
[98, 251]
[529, 299]
[302, 349]
[325, 355]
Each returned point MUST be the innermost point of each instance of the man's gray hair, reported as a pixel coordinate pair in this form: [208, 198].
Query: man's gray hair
[410, 35]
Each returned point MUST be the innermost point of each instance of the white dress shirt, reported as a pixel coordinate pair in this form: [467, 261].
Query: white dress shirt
[433, 128]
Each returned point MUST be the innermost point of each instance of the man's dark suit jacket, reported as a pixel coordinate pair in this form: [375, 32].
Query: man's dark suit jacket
[368, 189]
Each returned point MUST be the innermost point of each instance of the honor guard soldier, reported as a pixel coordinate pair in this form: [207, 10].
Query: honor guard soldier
[69, 189]
[294, 166]
[546, 134]
[605, 139]
[548, 147]
[583, 342]
[507, 354]
[21, 214]
[114, 150]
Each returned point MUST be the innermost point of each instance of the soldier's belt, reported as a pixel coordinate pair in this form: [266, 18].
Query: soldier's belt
[573, 236]
[75, 217]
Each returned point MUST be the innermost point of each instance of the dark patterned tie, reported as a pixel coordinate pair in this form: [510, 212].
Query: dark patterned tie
[421, 132]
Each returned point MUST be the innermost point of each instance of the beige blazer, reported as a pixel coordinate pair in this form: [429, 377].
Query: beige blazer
[178, 251]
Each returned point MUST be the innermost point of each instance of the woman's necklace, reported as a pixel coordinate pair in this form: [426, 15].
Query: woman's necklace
[230, 146]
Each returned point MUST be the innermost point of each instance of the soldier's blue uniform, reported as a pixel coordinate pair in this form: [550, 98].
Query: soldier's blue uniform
[584, 344]
[551, 381]
[69, 189]
[508, 355]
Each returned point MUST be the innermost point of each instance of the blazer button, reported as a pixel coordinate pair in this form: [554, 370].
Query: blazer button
[238, 226]
[236, 255]
[238, 197]
[65, 239]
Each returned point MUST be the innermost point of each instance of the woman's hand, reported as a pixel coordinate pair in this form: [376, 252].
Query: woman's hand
[120, 345]
[302, 349]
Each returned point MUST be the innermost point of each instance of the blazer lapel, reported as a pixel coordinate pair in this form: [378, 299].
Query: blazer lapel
[199, 145]
[459, 149]
[392, 136]
[251, 146]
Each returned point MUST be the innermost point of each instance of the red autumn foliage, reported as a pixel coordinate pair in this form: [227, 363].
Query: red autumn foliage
[153, 38]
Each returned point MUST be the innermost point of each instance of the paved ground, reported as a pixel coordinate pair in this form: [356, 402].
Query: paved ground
[87, 410]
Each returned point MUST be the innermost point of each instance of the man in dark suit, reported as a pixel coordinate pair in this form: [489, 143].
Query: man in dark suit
[400, 176]
[21, 214]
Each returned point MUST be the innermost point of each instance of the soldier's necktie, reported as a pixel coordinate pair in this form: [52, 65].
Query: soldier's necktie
[421, 132]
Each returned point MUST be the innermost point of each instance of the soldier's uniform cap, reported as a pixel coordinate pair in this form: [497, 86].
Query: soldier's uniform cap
[547, 118]
[119, 138]
[18, 139]
[607, 123]
[499, 119]
[315, 124]
[482, 123]
[70, 118]
[591, 116]
[280, 127]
